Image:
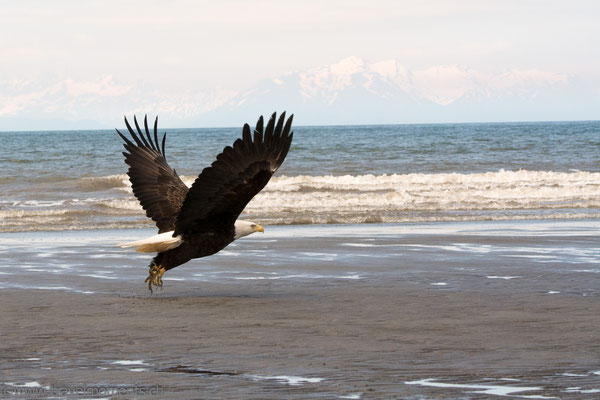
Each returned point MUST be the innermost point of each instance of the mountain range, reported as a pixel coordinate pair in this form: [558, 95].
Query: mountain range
[351, 91]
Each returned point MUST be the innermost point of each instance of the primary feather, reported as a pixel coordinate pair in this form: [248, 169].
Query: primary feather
[157, 186]
[223, 190]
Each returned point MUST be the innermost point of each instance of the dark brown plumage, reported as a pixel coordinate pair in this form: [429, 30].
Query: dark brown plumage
[203, 217]
[156, 185]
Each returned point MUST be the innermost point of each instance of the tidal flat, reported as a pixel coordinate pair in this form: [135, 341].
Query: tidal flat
[417, 311]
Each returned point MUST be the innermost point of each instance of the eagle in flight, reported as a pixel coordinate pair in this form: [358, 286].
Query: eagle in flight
[201, 220]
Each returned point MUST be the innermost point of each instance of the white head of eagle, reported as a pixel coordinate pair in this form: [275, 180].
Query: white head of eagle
[244, 228]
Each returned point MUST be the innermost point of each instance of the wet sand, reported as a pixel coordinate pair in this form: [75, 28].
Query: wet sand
[430, 311]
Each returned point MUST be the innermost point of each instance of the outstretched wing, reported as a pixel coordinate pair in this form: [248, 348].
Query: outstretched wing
[155, 184]
[221, 191]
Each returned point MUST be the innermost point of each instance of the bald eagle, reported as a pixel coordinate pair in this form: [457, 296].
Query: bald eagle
[202, 220]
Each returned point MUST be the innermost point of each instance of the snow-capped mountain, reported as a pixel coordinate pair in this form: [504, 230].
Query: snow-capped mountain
[351, 91]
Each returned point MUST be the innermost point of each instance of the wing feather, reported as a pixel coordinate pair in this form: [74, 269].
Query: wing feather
[222, 191]
[156, 185]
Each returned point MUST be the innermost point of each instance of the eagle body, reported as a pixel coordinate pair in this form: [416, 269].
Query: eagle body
[201, 220]
[194, 246]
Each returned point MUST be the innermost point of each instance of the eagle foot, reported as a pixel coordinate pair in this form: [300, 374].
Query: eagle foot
[155, 277]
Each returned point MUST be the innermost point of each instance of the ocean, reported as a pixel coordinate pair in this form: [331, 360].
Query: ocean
[61, 180]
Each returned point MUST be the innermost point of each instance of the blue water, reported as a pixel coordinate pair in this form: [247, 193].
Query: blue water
[401, 149]
[78, 168]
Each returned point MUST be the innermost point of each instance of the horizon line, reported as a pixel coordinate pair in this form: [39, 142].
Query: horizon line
[327, 125]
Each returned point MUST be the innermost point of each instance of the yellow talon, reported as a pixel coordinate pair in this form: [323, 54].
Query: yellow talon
[159, 283]
[155, 277]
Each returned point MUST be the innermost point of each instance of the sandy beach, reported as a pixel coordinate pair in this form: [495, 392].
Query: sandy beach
[452, 311]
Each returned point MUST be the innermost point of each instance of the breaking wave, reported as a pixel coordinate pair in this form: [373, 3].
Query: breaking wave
[306, 199]
[427, 197]
[119, 181]
[478, 191]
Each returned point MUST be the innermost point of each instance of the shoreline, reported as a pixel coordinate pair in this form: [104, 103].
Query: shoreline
[143, 223]
[394, 226]
[449, 310]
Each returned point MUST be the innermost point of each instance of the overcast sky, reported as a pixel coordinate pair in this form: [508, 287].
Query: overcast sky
[203, 45]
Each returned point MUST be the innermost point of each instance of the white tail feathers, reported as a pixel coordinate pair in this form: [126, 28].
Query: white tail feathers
[155, 244]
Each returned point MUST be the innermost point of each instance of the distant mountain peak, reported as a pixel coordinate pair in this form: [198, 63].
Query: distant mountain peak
[352, 90]
[348, 66]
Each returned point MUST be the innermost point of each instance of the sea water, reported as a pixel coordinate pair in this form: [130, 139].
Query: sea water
[60, 180]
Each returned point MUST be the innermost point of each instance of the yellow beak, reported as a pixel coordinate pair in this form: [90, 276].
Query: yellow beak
[259, 228]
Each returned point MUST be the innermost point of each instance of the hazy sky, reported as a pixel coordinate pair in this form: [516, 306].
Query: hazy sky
[203, 45]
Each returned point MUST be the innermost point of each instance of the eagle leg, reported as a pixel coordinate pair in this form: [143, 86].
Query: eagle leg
[155, 276]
